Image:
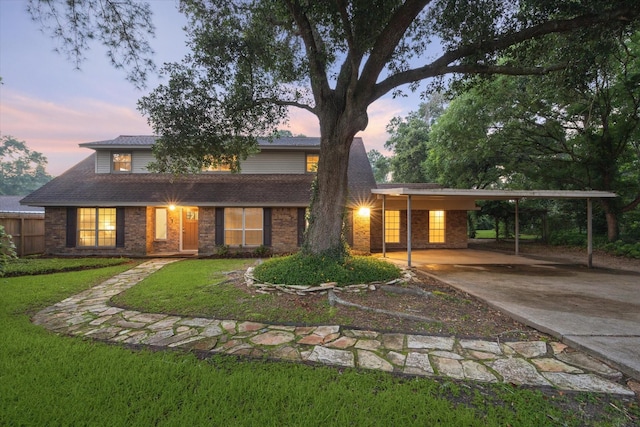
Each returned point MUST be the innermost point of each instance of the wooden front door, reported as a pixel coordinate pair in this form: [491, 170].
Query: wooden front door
[189, 229]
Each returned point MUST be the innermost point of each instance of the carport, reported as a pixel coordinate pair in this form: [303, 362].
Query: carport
[447, 196]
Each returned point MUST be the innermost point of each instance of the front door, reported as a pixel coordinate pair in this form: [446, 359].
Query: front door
[189, 229]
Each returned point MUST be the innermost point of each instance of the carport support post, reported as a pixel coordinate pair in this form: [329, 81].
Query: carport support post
[409, 230]
[517, 230]
[589, 234]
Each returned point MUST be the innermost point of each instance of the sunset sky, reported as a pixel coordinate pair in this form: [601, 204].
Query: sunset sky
[53, 107]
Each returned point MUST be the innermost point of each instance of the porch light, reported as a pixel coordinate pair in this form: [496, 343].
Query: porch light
[172, 207]
[364, 211]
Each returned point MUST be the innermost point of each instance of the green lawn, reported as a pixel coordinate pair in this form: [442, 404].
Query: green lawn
[47, 379]
[491, 234]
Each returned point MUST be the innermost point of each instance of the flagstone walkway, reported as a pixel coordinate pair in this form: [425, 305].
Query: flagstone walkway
[536, 363]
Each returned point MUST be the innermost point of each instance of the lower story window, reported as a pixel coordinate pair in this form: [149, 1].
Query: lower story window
[436, 226]
[243, 226]
[96, 227]
[392, 226]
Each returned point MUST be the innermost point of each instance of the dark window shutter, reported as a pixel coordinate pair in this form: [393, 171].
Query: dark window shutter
[72, 221]
[219, 226]
[302, 223]
[266, 232]
[119, 227]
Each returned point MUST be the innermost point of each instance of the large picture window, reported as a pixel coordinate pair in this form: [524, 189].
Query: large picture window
[392, 226]
[243, 226]
[436, 226]
[97, 227]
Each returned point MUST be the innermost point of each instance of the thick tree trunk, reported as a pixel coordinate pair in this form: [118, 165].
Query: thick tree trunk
[338, 126]
[328, 204]
[611, 214]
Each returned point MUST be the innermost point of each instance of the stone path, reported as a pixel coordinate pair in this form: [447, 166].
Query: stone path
[535, 363]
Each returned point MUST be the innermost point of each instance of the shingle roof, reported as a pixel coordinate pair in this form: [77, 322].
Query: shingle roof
[11, 204]
[81, 186]
[146, 141]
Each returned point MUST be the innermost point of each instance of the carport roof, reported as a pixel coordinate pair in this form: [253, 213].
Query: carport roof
[436, 193]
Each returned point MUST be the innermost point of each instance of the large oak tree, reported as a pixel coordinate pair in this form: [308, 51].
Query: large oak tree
[252, 60]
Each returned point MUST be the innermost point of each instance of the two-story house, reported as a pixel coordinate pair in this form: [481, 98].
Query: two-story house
[110, 204]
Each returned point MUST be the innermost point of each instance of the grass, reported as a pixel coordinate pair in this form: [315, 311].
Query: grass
[198, 288]
[47, 379]
[491, 234]
[31, 266]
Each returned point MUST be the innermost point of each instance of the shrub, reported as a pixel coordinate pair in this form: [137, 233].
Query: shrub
[301, 269]
[7, 249]
[262, 251]
[621, 248]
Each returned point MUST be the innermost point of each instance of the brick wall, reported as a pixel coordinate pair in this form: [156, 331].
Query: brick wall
[361, 232]
[284, 230]
[206, 230]
[135, 239]
[455, 234]
[172, 243]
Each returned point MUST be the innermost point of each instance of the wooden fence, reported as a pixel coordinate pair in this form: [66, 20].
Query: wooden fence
[27, 231]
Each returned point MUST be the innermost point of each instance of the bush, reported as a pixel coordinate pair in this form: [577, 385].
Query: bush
[7, 250]
[300, 269]
[568, 238]
[622, 248]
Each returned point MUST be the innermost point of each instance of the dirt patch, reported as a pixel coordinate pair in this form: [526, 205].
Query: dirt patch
[451, 312]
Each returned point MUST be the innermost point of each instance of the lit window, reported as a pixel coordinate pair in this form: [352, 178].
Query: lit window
[436, 226]
[121, 162]
[161, 223]
[243, 226]
[96, 227]
[392, 226]
[216, 166]
[312, 162]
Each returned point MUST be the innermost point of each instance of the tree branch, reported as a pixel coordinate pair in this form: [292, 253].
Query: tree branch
[317, 67]
[388, 40]
[442, 65]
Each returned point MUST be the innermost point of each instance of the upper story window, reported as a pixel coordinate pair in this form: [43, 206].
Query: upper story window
[312, 162]
[121, 162]
[217, 168]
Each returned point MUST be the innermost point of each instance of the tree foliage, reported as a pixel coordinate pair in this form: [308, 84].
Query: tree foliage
[380, 165]
[121, 26]
[21, 170]
[251, 61]
[558, 132]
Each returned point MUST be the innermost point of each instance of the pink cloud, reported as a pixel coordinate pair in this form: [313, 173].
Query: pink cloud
[56, 129]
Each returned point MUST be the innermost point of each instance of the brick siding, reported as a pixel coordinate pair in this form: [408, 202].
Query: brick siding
[455, 232]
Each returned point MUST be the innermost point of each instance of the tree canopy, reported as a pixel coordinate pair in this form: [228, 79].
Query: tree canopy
[556, 132]
[21, 169]
[252, 60]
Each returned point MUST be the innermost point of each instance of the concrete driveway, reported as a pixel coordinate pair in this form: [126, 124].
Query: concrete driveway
[594, 310]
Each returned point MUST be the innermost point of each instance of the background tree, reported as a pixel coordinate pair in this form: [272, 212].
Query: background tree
[380, 165]
[409, 143]
[21, 170]
[557, 132]
[253, 60]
